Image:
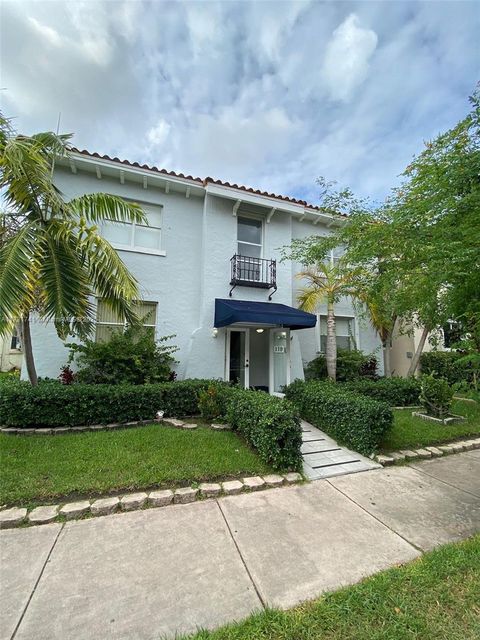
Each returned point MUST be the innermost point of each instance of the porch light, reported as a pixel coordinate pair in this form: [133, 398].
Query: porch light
[259, 330]
[214, 333]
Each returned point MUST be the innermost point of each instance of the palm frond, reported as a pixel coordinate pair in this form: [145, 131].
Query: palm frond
[95, 207]
[63, 280]
[17, 276]
[309, 298]
[110, 278]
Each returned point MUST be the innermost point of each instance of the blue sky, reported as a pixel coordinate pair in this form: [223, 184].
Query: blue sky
[267, 94]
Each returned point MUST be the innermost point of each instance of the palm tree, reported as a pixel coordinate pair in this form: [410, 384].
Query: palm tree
[328, 283]
[53, 262]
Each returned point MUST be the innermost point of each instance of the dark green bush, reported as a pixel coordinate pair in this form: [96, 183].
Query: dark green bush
[436, 396]
[445, 364]
[396, 392]
[58, 405]
[351, 365]
[129, 357]
[269, 424]
[354, 420]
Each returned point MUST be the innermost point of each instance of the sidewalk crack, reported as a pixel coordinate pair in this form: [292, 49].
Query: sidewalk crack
[416, 547]
[257, 590]
[17, 626]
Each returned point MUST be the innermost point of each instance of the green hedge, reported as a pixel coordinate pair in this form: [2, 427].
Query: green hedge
[354, 420]
[270, 425]
[56, 405]
[351, 365]
[445, 365]
[396, 392]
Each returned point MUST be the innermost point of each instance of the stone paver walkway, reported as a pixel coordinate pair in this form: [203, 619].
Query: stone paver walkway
[324, 458]
[152, 574]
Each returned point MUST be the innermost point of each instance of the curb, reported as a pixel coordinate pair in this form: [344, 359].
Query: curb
[437, 451]
[55, 431]
[106, 505]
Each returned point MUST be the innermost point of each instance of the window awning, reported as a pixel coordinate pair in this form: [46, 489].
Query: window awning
[229, 312]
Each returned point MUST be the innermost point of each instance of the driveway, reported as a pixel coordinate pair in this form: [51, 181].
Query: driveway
[154, 573]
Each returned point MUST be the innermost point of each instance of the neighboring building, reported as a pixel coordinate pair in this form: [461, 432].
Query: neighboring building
[10, 352]
[405, 341]
[209, 272]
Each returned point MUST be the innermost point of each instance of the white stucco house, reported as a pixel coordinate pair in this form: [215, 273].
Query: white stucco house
[209, 271]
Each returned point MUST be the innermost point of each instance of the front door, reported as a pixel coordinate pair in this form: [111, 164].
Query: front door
[238, 356]
[279, 360]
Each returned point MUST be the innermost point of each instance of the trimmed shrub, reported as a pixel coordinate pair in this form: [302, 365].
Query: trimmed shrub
[351, 365]
[445, 364]
[436, 396]
[269, 424]
[396, 392]
[58, 405]
[354, 420]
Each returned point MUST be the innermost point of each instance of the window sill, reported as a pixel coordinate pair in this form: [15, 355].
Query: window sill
[150, 252]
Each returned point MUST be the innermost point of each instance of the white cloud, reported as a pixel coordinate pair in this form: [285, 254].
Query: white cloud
[269, 94]
[346, 60]
[49, 34]
[158, 134]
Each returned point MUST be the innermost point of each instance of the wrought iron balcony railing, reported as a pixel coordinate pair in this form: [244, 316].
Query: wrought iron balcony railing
[246, 271]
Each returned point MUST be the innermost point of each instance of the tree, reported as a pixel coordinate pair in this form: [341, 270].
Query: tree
[327, 283]
[420, 248]
[53, 260]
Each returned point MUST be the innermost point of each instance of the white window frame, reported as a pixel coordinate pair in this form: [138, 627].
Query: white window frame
[124, 324]
[340, 316]
[133, 225]
[252, 216]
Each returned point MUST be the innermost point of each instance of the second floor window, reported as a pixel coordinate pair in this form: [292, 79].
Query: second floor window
[249, 247]
[136, 236]
[249, 236]
[108, 321]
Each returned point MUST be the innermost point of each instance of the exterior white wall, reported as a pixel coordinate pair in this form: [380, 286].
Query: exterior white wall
[9, 358]
[199, 237]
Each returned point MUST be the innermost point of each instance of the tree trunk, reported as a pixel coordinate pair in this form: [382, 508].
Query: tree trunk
[387, 348]
[331, 352]
[418, 352]
[27, 349]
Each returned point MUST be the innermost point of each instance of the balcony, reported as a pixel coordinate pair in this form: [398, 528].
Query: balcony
[246, 271]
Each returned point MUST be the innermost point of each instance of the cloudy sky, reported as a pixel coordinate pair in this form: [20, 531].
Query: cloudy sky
[269, 94]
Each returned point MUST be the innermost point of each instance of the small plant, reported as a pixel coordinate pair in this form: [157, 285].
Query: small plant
[436, 396]
[208, 403]
[66, 376]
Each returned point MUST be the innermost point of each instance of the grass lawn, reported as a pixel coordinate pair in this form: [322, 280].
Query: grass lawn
[414, 432]
[434, 598]
[40, 468]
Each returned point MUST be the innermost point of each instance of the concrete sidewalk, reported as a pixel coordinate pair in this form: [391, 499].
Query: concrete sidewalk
[154, 573]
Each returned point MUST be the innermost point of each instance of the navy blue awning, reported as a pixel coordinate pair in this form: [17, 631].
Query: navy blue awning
[242, 311]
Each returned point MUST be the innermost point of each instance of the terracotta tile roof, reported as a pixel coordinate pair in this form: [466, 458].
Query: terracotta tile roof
[202, 181]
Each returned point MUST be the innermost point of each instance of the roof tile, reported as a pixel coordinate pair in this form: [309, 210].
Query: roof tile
[203, 181]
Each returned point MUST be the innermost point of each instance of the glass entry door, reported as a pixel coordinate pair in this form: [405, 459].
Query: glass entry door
[279, 360]
[238, 352]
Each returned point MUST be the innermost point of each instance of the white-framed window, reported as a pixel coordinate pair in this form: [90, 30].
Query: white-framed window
[333, 256]
[15, 344]
[137, 237]
[345, 333]
[108, 321]
[249, 247]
